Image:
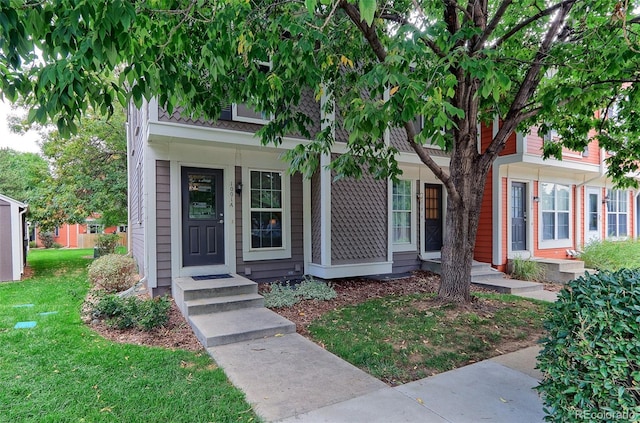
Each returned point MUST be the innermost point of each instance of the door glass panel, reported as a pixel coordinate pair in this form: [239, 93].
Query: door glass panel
[593, 212]
[202, 197]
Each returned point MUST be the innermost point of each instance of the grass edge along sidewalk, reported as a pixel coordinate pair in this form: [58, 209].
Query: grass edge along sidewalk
[60, 370]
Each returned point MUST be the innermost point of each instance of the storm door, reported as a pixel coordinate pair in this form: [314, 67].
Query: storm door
[432, 217]
[202, 217]
[518, 216]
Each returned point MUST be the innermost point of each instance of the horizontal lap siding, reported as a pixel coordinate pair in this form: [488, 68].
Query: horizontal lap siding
[137, 118]
[406, 261]
[163, 225]
[272, 270]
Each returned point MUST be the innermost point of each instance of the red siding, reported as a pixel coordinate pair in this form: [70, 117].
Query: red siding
[483, 247]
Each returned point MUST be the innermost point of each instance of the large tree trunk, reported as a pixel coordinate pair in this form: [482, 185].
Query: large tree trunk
[461, 228]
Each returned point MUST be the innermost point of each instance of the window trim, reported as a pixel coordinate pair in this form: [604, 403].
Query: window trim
[555, 243]
[234, 106]
[270, 253]
[618, 193]
[412, 244]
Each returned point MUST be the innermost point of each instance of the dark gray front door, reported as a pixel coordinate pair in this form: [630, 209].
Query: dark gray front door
[518, 216]
[202, 217]
[433, 217]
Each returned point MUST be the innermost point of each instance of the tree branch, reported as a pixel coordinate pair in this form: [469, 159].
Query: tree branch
[531, 20]
[492, 25]
[528, 86]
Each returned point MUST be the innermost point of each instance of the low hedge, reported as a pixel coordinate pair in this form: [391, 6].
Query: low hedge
[590, 359]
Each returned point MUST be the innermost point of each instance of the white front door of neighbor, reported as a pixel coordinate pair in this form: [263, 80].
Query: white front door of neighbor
[593, 215]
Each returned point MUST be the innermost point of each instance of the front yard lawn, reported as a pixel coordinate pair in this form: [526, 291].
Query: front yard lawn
[60, 370]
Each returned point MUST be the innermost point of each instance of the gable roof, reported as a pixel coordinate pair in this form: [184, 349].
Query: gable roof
[12, 201]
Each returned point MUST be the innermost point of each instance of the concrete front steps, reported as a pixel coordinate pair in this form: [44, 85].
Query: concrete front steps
[227, 310]
[562, 271]
[485, 276]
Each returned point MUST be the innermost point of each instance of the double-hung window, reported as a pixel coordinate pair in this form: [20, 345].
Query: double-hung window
[268, 229]
[402, 214]
[617, 214]
[555, 201]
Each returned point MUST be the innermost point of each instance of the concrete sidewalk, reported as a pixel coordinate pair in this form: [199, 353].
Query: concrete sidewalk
[290, 379]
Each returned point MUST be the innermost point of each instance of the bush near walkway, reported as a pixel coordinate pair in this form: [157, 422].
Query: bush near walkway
[591, 354]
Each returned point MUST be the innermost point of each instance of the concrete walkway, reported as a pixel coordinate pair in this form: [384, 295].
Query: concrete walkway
[288, 378]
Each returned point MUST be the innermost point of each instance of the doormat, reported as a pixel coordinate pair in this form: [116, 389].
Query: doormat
[25, 325]
[207, 277]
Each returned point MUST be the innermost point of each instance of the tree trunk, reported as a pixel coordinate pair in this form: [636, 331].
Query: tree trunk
[461, 227]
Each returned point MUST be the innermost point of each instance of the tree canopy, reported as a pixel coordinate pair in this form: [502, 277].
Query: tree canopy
[88, 174]
[21, 174]
[562, 65]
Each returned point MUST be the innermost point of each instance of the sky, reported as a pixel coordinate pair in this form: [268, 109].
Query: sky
[23, 143]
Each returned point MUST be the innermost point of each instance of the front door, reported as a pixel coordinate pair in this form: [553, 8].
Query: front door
[202, 217]
[433, 217]
[592, 218]
[518, 216]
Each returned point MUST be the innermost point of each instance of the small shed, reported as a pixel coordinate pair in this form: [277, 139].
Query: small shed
[14, 238]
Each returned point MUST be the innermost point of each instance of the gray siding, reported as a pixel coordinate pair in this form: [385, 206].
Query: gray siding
[137, 120]
[307, 105]
[316, 219]
[272, 270]
[6, 245]
[405, 261]
[398, 139]
[358, 221]
[163, 226]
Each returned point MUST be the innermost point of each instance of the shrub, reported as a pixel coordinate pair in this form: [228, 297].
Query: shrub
[130, 312]
[527, 269]
[56, 245]
[285, 295]
[612, 255]
[106, 244]
[113, 272]
[46, 238]
[280, 295]
[32, 244]
[310, 289]
[590, 355]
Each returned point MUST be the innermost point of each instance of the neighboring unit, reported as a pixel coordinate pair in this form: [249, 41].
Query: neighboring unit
[549, 209]
[14, 239]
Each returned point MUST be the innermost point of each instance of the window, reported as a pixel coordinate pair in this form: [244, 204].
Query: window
[122, 229]
[242, 112]
[266, 209]
[554, 200]
[401, 212]
[266, 215]
[56, 232]
[616, 213]
[94, 228]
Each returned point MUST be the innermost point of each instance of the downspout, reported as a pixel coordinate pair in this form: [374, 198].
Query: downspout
[25, 237]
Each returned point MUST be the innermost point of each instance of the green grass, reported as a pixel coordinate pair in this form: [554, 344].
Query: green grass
[401, 339]
[62, 371]
[612, 255]
[527, 270]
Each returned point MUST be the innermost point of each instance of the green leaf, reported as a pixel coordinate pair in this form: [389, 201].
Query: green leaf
[310, 5]
[367, 10]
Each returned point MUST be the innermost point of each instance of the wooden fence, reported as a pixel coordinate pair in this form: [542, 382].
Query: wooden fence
[89, 240]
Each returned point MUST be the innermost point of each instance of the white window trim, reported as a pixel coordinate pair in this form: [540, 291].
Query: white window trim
[625, 193]
[236, 118]
[411, 245]
[555, 243]
[234, 106]
[274, 253]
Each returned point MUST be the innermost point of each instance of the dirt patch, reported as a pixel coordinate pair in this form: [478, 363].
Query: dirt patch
[178, 334]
